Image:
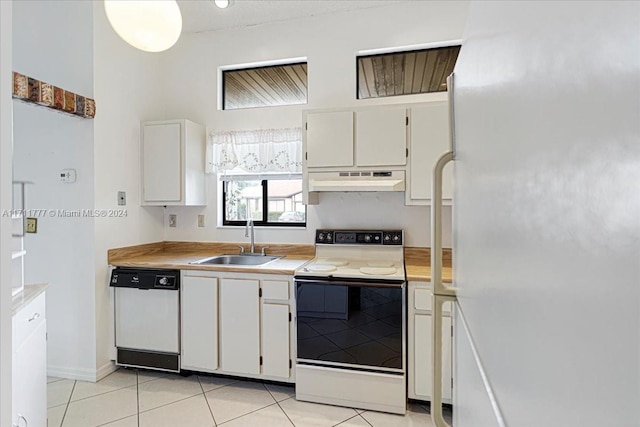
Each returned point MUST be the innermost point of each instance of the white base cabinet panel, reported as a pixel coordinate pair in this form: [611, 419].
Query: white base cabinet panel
[238, 324]
[275, 340]
[29, 369]
[199, 323]
[419, 344]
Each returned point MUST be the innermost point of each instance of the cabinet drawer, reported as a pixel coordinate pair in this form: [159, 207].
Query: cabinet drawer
[422, 301]
[275, 289]
[28, 319]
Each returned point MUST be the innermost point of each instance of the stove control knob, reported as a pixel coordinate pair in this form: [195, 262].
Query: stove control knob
[329, 237]
[320, 237]
[396, 237]
[387, 237]
[376, 238]
[367, 238]
[163, 281]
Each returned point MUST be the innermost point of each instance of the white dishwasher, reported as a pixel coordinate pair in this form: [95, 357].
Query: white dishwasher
[147, 317]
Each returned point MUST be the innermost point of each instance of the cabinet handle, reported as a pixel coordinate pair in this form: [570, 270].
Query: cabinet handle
[34, 317]
[21, 417]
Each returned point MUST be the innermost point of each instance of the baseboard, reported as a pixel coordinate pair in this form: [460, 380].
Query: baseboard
[105, 370]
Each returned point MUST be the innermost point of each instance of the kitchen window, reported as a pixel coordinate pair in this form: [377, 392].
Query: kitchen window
[276, 200]
[269, 86]
[261, 174]
[405, 73]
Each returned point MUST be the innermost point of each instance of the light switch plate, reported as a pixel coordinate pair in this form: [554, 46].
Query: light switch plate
[201, 220]
[173, 219]
[68, 176]
[122, 198]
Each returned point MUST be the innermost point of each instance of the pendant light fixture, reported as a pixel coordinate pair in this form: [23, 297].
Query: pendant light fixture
[222, 4]
[152, 26]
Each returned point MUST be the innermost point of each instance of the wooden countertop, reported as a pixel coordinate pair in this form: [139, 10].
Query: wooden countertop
[178, 255]
[417, 264]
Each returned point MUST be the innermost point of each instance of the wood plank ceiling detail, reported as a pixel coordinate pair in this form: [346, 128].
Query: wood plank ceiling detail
[405, 73]
[265, 86]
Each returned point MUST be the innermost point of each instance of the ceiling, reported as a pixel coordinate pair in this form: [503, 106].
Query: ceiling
[203, 15]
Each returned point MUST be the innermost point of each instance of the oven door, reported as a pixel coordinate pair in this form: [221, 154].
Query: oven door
[351, 324]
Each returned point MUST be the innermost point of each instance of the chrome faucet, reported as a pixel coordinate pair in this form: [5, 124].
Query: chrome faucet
[246, 234]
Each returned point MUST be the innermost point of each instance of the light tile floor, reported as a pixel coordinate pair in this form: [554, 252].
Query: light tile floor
[132, 398]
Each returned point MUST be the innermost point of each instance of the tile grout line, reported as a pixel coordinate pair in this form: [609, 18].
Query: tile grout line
[68, 403]
[207, 400]
[365, 420]
[278, 403]
[350, 418]
[137, 399]
[249, 413]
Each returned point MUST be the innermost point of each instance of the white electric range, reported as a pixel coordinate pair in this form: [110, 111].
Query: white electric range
[351, 321]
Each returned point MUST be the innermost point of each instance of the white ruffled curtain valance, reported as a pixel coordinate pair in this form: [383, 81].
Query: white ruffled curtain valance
[255, 151]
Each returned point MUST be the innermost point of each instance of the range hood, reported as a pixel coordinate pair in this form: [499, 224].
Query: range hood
[356, 181]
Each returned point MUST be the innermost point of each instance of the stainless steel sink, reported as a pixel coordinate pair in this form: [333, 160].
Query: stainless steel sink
[246, 259]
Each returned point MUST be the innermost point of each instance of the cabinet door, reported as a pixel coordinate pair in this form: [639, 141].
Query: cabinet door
[422, 356]
[30, 379]
[275, 340]
[329, 139]
[240, 326]
[199, 324]
[162, 162]
[381, 137]
[429, 140]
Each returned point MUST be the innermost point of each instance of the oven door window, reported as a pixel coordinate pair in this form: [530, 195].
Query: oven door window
[351, 325]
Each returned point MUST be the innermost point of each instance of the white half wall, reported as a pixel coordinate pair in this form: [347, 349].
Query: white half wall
[330, 44]
[45, 141]
[6, 139]
[126, 84]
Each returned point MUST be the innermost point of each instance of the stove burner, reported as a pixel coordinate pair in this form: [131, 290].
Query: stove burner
[380, 264]
[321, 268]
[335, 261]
[378, 270]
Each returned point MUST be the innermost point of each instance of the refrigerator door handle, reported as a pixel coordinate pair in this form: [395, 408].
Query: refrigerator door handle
[441, 293]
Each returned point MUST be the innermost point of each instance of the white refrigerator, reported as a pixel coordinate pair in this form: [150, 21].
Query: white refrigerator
[546, 216]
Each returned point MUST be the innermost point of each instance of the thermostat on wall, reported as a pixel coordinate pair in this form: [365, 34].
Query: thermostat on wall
[68, 175]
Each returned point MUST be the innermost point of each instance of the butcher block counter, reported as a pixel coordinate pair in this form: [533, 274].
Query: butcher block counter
[179, 255]
[417, 264]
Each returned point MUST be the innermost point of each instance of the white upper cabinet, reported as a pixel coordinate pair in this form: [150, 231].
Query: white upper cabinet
[381, 137]
[428, 141]
[173, 158]
[329, 139]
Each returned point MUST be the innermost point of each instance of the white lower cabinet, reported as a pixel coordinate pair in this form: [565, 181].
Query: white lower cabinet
[240, 326]
[237, 324]
[419, 344]
[199, 323]
[29, 369]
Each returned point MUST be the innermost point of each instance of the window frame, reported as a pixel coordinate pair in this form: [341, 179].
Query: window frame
[223, 98]
[265, 210]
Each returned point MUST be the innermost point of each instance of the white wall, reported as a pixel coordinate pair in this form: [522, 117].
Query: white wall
[126, 84]
[330, 43]
[6, 86]
[61, 253]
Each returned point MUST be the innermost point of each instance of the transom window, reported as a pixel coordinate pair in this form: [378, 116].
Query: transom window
[268, 86]
[405, 73]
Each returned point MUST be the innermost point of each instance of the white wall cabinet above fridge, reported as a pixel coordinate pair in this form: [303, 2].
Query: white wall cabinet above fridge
[172, 162]
[428, 140]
